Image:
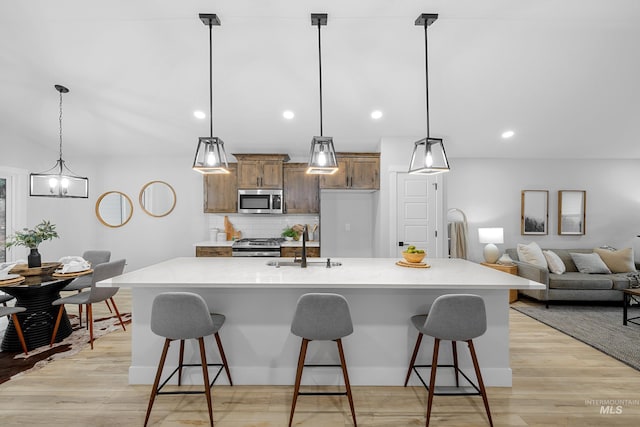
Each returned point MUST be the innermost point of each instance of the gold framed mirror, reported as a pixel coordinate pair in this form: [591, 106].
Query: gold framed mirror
[114, 209]
[157, 198]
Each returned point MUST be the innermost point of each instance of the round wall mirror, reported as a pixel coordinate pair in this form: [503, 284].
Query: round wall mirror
[114, 209]
[157, 198]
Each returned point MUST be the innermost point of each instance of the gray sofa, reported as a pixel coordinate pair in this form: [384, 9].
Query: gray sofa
[571, 285]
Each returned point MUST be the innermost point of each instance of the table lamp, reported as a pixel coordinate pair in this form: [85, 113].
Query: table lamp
[491, 236]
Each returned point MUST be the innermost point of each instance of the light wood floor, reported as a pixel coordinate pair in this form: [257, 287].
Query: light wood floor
[555, 382]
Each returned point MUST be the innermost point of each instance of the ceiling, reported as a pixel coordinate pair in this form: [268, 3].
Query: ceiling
[563, 75]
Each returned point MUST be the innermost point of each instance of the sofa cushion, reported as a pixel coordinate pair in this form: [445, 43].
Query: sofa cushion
[620, 261]
[565, 256]
[532, 254]
[574, 280]
[590, 263]
[554, 262]
[620, 281]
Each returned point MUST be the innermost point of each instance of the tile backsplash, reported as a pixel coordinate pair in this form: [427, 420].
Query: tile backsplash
[260, 225]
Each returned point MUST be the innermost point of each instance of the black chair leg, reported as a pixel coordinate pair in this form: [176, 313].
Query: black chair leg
[296, 390]
[454, 348]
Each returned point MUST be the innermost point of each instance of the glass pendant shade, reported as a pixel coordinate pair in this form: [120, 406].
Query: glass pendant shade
[428, 157]
[59, 181]
[210, 156]
[322, 158]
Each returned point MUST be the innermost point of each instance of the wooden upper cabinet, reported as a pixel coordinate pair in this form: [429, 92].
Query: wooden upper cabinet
[221, 192]
[301, 190]
[356, 171]
[260, 170]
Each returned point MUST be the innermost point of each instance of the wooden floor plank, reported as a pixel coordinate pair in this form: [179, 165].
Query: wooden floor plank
[557, 381]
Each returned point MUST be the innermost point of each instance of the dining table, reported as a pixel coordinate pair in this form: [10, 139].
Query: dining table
[36, 293]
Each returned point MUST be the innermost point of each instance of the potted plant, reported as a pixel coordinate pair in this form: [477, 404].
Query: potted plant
[31, 238]
[290, 234]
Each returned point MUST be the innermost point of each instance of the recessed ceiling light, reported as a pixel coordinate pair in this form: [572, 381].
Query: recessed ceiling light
[288, 115]
[508, 134]
[199, 114]
[377, 114]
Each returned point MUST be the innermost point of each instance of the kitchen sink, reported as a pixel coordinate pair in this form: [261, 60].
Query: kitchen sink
[327, 264]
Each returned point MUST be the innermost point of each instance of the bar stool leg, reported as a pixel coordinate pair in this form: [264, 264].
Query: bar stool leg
[223, 357]
[16, 324]
[180, 362]
[483, 391]
[413, 358]
[154, 390]
[301, 357]
[343, 363]
[454, 348]
[432, 381]
[205, 374]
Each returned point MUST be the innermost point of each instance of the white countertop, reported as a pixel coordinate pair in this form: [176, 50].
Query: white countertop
[227, 272]
[228, 243]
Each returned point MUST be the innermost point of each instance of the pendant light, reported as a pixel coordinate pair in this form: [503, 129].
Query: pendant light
[428, 156]
[322, 158]
[210, 154]
[59, 181]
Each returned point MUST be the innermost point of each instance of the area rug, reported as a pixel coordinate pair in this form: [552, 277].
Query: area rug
[12, 364]
[598, 326]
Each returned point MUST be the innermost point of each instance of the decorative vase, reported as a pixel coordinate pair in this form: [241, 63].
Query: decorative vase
[34, 259]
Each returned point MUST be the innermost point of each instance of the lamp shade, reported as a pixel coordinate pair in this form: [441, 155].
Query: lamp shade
[322, 158]
[429, 157]
[491, 235]
[210, 156]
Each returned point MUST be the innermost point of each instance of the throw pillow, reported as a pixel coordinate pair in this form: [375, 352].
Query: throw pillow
[532, 254]
[620, 261]
[589, 263]
[554, 262]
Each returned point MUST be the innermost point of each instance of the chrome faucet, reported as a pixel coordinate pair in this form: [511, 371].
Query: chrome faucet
[305, 237]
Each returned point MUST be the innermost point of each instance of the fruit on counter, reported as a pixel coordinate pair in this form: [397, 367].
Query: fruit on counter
[412, 250]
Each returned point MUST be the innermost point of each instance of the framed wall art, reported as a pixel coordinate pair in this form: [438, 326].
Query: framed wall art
[534, 216]
[571, 212]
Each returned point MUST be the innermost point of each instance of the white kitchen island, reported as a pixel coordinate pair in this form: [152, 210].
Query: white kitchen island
[259, 301]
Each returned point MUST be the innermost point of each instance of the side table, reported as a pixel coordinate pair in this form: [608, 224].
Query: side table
[626, 299]
[511, 269]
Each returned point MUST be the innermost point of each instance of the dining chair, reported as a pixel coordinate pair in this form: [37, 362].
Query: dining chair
[452, 317]
[11, 312]
[102, 271]
[94, 257]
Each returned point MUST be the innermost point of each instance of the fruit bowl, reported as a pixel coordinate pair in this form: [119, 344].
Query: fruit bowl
[413, 257]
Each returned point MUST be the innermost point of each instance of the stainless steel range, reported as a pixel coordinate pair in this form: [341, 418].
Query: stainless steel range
[258, 247]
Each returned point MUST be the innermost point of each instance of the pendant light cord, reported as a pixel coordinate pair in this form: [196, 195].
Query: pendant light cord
[320, 73]
[426, 72]
[60, 131]
[210, 79]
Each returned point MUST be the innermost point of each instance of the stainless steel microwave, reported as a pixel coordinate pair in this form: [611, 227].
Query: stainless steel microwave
[260, 201]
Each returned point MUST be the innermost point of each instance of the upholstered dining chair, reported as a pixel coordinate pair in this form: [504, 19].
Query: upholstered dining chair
[322, 317]
[11, 313]
[94, 257]
[95, 294]
[453, 317]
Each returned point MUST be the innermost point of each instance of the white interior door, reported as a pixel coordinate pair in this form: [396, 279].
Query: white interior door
[417, 218]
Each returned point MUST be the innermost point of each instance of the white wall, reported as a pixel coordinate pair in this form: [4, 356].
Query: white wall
[488, 191]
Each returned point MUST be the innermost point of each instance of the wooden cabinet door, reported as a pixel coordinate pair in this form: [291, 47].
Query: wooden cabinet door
[213, 251]
[338, 180]
[221, 192]
[249, 172]
[301, 190]
[365, 173]
[292, 252]
[271, 174]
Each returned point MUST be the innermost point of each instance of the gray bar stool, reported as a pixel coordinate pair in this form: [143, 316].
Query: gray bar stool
[181, 316]
[11, 312]
[322, 317]
[459, 317]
